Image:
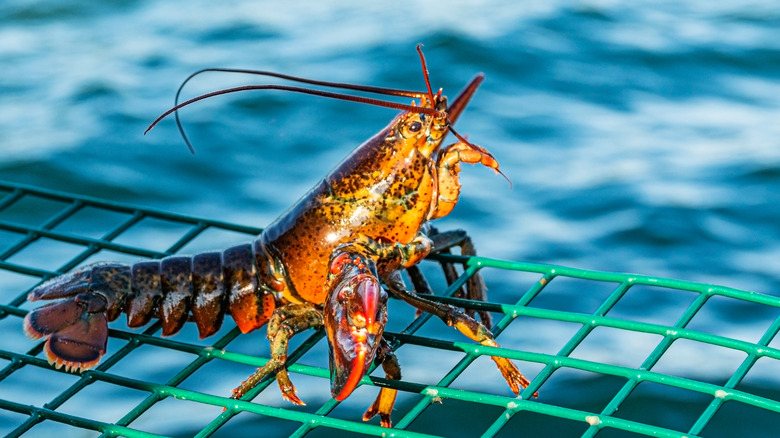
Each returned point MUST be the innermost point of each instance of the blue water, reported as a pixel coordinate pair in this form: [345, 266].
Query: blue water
[639, 136]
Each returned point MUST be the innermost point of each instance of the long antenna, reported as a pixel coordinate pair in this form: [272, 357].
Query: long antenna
[348, 97]
[363, 88]
[425, 72]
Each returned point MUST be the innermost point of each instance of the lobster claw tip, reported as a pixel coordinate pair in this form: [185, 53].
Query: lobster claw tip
[345, 377]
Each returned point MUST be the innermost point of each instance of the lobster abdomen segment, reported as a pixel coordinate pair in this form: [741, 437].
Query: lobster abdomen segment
[208, 284]
[148, 286]
[248, 310]
[176, 281]
[174, 289]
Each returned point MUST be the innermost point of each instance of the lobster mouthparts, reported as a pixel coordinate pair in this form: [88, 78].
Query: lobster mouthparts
[355, 318]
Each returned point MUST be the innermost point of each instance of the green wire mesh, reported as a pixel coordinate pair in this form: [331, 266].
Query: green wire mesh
[45, 233]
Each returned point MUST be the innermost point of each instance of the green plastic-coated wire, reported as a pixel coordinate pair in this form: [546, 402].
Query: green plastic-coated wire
[22, 359]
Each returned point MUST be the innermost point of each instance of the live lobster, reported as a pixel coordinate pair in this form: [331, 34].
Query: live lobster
[322, 263]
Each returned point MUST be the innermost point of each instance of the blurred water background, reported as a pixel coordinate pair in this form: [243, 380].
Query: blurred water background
[640, 136]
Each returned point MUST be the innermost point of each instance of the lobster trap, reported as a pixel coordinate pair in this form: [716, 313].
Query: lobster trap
[609, 354]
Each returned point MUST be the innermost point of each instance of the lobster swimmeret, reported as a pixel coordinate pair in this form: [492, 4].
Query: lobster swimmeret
[323, 262]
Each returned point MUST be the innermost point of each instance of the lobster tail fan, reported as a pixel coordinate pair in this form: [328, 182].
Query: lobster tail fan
[76, 339]
[76, 327]
[80, 345]
[51, 318]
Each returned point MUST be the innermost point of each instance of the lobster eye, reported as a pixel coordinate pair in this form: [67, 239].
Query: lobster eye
[414, 127]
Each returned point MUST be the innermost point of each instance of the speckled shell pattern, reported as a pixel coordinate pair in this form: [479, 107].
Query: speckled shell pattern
[381, 190]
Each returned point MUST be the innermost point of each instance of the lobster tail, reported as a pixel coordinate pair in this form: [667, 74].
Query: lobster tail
[205, 286]
[76, 327]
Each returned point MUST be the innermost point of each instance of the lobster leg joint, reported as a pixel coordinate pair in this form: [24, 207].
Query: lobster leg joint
[284, 324]
[383, 405]
[475, 288]
[454, 317]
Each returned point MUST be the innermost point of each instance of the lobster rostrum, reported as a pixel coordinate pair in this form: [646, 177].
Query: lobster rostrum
[322, 263]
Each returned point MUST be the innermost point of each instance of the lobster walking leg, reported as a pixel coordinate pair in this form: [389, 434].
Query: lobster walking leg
[286, 322]
[447, 170]
[421, 285]
[454, 317]
[383, 405]
[475, 287]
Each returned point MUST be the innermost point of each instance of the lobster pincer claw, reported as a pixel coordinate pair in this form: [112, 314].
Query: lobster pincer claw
[355, 315]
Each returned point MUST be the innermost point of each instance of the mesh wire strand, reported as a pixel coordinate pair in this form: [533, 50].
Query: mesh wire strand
[24, 360]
